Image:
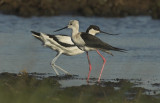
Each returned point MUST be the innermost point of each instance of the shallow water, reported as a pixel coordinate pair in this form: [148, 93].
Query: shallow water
[139, 35]
[15, 88]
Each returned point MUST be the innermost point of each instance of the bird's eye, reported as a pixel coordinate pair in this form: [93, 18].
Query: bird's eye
[70, 23]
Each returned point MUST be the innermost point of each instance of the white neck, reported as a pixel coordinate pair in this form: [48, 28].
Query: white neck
[92, 32]
[75, 31]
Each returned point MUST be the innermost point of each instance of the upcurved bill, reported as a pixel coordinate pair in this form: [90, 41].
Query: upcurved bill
[61, 29]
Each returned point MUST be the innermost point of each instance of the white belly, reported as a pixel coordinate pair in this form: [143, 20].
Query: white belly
[85, 48]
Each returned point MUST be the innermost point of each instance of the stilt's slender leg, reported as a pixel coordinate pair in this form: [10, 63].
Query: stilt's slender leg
[55, 66]
[55, 70]
[90, 67]
[61, 69]
[104, 61]
[53, 63]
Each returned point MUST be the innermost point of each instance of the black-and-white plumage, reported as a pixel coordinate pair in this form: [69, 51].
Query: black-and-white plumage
[87, 42]
[94, 29]
[62, 44]
[93, 43]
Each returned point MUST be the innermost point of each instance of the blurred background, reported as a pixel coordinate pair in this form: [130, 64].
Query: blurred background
[103, 8]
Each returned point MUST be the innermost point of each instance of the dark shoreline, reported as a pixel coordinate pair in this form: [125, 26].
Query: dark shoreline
[100, 8]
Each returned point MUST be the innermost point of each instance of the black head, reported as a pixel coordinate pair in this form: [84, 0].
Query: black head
[92, 27]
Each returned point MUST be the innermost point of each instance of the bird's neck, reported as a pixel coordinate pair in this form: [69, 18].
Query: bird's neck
[75, 31]
[92, 32]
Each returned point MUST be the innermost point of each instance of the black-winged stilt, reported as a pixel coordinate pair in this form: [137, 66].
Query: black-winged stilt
[62, 44]
[89, 43]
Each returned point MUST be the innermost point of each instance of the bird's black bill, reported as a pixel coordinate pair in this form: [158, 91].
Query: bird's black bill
[108, 33]
[61, 29]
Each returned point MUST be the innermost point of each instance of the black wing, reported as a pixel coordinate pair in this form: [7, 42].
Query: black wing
[92, 41]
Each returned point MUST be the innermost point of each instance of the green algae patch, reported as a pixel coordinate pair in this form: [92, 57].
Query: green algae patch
[28, 88]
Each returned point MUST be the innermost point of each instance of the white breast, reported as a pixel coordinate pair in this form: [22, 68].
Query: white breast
[78, 41]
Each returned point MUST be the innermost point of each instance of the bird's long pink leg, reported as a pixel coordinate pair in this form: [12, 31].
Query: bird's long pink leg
[104, 61]
[90, 67]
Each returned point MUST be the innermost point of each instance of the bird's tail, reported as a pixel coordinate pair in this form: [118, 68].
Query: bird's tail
[36, 34]
[107, 51]
[119, 49]
[113, 49]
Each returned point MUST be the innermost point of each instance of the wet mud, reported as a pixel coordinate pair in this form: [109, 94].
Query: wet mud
[29, 88]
